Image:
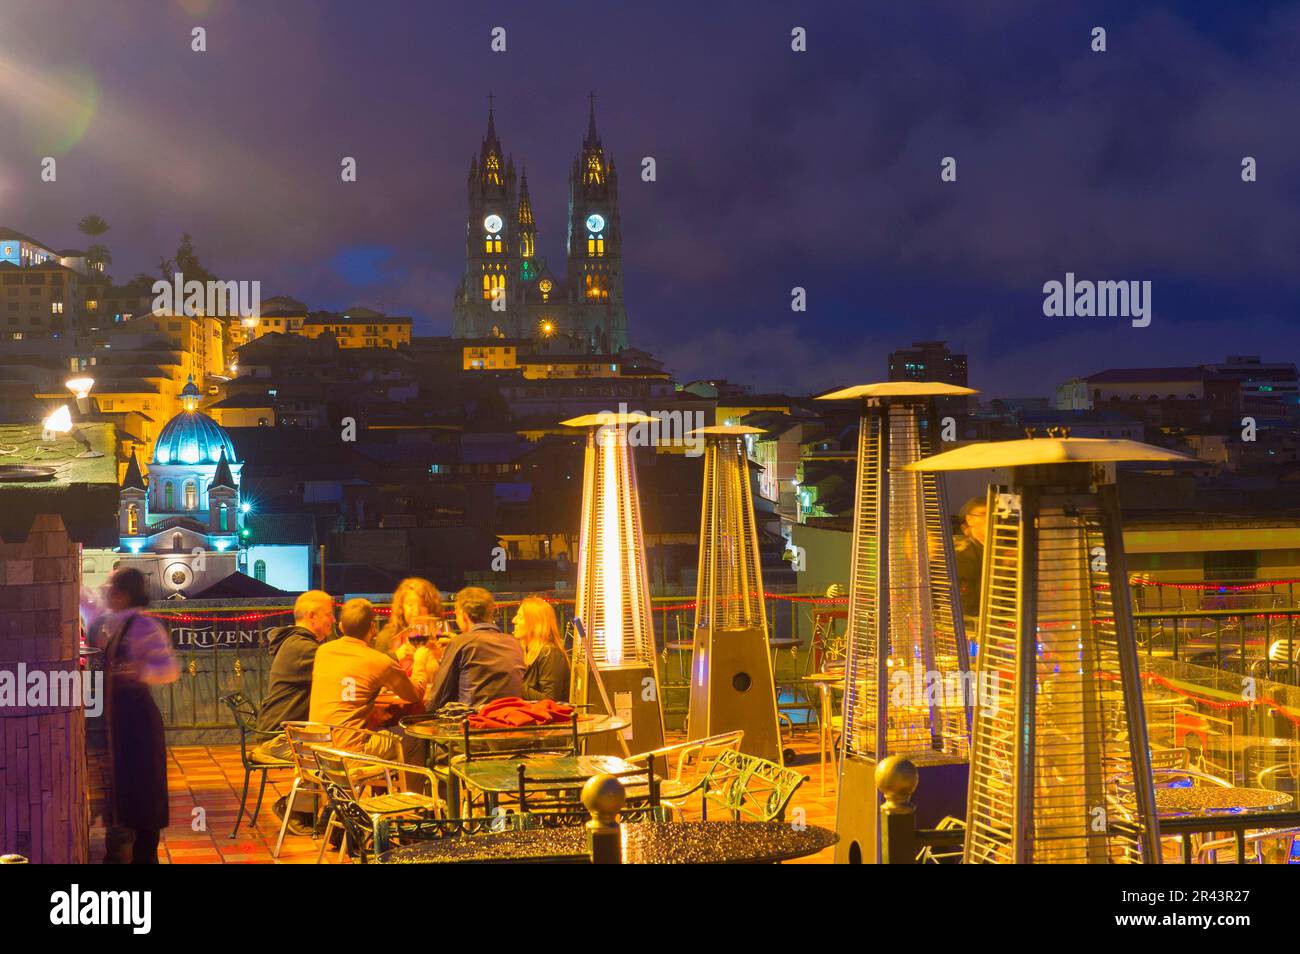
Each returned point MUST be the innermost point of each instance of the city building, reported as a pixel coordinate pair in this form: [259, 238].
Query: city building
[183, 527]
[928, 361]
[507, 289]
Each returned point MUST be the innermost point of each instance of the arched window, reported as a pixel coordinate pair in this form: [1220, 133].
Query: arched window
[178, 542]
[224, 518]
[191, 495]
[492, 244]
[491, 282]
[168, 497]
[259, 570]
[595, 245]
[133, 519]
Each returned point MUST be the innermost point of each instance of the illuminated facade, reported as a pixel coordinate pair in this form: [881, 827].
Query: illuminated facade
[507, 290]
[181, 529]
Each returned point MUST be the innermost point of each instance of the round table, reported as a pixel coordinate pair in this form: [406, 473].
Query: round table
[433, 730]
[1214, 798]
[646, 843]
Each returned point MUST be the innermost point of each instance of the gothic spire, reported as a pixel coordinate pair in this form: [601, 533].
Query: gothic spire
[223, 477]
[134, 480]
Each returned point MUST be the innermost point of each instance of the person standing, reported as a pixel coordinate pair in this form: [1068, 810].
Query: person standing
[968, 550]
[538, 632]
[137, 655]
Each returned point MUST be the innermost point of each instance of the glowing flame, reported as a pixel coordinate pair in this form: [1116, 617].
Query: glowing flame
[612, 555]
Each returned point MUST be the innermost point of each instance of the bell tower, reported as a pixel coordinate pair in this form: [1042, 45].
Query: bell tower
[595, 246]
[490, 285]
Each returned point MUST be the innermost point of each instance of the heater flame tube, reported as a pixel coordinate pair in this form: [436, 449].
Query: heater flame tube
[612, 552]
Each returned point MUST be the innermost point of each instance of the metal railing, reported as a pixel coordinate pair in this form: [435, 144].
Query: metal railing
[1263, 642]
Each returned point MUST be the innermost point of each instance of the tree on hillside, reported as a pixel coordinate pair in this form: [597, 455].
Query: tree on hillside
[188, 264]
[93, 226]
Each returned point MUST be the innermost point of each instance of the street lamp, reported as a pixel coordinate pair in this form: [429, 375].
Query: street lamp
[80, 387]
[60, 422]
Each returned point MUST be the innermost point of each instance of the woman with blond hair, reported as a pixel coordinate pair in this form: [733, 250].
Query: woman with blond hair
[417, 615]
[547, 675]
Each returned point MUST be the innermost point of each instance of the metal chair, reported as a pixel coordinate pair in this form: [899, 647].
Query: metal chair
[557, 802]
[245, 713]
[687, 764]
[345, 775]
[749, 787]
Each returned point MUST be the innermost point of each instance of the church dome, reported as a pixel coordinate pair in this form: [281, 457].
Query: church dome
[191, 437]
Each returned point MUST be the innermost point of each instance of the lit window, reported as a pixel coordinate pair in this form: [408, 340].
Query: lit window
[595, 245]
[492, 244]
[259, 570]
[133, 519]
[191, 495]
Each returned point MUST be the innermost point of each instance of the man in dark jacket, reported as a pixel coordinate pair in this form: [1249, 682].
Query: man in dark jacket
[968, 549]
[288, 693]
[482, 664]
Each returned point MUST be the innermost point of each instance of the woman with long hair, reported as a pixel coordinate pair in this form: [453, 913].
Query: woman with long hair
[137, 654]
[417, 614]
[538, 632]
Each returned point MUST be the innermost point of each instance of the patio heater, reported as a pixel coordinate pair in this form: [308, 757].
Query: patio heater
[614, 669]
[1060, 765]
[731, 666]
[907, 670]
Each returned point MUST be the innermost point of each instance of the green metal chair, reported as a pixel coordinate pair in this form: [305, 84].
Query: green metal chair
[749, 787]
[245, 713]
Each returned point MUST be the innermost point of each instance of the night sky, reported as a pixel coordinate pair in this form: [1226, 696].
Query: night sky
[775, 168]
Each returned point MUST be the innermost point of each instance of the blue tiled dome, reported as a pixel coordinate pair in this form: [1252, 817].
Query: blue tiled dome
[191, 437]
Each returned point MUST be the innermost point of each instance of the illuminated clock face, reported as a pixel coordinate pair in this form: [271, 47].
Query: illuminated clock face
[493, 224]
[595, 223]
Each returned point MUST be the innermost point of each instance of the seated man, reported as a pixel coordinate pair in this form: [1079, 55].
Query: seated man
[288, 694]
[348, 674]
[482, 663]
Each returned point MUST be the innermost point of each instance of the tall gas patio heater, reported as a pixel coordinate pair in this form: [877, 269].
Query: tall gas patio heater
[731, 666]
[1060, 765]
[614, 669]
[906, 682]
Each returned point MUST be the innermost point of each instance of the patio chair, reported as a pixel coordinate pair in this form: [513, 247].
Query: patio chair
[557, 802]
[559, 738]
[344, 776]
[749, 787]
[687, 764]
[246, 713]
[304, 738]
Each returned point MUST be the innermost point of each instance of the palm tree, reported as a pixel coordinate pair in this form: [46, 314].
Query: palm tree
[93, 226]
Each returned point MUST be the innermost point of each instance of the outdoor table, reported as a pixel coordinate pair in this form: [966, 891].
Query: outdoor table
[450, 731]
[1213, 798]
[826, 683]
[500, 776]
[644, 843]
[1240, 743]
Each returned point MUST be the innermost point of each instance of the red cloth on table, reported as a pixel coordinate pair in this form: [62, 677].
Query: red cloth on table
[513, 712]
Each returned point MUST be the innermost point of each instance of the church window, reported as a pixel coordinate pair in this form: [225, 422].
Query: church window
[191, 495]
[178, 542]
[168, 500]
[595, 245]
[594, 174]
[492, 168]
[133, 519]
[259, 570]
[224, 517]
[492, 244]
[491, 283]
[595, 290]
[527, 248]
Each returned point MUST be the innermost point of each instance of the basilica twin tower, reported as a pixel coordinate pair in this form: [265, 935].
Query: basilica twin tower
[508, 291]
